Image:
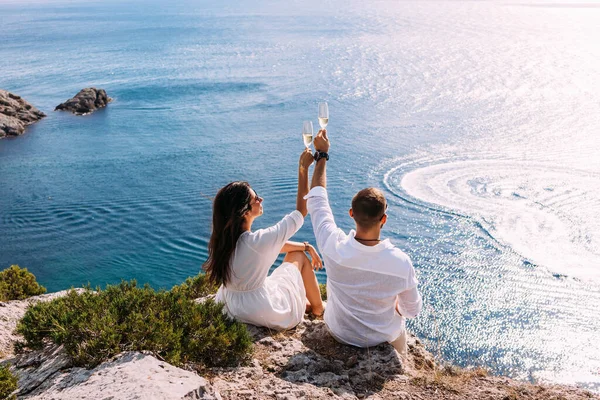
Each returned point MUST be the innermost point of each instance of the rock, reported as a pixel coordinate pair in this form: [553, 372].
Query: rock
[36, 367]
[201, 300]
[16, 114]
[131, 375]
[10, 313]
[307, 363]
[86, 101]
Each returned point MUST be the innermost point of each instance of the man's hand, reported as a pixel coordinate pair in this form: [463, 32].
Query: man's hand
[306, 159]
[321, 142]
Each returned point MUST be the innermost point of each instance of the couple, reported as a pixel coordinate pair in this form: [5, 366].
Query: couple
[371, 285]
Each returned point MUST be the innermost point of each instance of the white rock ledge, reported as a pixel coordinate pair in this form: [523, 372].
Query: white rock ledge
[130, 376]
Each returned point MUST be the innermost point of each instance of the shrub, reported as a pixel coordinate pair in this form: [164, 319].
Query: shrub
[17, 284]
[8, 383]
[323, 290]
[195, 287]
[95, 325]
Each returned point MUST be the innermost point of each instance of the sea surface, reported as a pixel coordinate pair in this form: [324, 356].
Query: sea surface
[479, 119]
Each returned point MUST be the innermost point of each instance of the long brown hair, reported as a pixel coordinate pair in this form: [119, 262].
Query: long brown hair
[229, 207]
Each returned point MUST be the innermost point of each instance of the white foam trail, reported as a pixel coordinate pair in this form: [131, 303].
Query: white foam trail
[547, 214]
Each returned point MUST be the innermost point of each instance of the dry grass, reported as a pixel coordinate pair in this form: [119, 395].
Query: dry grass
[449, 378]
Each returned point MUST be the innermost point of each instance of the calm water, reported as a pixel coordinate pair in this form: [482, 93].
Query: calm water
[479, 120]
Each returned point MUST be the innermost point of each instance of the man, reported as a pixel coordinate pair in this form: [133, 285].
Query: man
[371, 285]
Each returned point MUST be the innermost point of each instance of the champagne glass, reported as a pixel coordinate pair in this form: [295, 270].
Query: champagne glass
[323, 115]
[307, 133]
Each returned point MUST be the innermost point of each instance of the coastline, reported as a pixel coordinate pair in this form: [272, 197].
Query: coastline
[304, 362]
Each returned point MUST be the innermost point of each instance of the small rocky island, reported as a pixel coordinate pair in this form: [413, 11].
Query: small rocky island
[86, 101]
[16, 114]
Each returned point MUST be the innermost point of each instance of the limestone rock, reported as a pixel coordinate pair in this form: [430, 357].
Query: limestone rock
[131, 375]
[34, 368]
[307, 363]
[11, 312]
[16, 114]
[86, 101]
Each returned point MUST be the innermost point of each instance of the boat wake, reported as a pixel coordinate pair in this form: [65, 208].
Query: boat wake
[545, 213]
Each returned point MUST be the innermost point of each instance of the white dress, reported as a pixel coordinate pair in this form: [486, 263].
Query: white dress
[277, 301]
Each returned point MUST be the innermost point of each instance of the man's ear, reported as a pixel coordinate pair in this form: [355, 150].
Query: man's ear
[351, 213]
[383, 220]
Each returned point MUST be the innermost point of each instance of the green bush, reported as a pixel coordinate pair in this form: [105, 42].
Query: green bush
[18, 284]
[323, 290]
[95, 325]
[8, 383]
[195, 287]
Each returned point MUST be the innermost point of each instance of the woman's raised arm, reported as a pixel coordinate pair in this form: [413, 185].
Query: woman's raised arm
[306, 159]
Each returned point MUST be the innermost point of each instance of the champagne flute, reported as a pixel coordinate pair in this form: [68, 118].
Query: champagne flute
[323, 115]
[307, 133]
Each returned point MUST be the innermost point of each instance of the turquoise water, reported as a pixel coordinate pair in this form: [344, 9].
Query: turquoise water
[479, 121]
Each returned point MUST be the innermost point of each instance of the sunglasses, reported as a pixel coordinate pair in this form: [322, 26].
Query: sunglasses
[257, 199]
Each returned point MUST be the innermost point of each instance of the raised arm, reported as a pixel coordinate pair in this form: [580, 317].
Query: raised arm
[320, 173]
[318, 203]
[306, 159]
[272, 239]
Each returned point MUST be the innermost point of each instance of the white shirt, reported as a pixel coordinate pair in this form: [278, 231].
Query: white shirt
[364, 283]
[277, 301]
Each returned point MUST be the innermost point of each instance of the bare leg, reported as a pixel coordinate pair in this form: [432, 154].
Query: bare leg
[400, 344]
[313, 295]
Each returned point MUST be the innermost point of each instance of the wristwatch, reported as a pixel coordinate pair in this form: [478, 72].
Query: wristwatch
[321, 154]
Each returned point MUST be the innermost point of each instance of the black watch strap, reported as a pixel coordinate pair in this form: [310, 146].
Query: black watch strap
[321, 154]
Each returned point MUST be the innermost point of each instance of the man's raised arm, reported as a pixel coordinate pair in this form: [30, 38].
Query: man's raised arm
[318, 203]
[321, 144]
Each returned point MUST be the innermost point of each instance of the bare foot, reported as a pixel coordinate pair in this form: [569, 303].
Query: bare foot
[318, 312]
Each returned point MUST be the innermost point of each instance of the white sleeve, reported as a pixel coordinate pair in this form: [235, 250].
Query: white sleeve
[410, 302]
[271, 239]
[321, 216]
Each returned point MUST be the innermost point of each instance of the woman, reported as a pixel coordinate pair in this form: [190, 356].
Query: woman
[239, 259]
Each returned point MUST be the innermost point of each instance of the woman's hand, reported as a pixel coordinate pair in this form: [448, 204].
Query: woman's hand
[315, 260]
[306, 159]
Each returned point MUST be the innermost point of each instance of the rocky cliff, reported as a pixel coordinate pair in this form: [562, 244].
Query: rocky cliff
[302, 363]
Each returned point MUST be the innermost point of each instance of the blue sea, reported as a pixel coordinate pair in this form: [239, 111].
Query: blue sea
[479, 120]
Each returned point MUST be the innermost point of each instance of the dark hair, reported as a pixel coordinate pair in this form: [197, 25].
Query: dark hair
[368, 207]
[229, 207]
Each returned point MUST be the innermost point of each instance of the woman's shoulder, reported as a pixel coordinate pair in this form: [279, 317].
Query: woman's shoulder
[254, 236]
[245, 236]
[249, 238]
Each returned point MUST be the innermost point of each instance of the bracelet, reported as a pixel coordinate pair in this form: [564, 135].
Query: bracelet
[306, 246]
